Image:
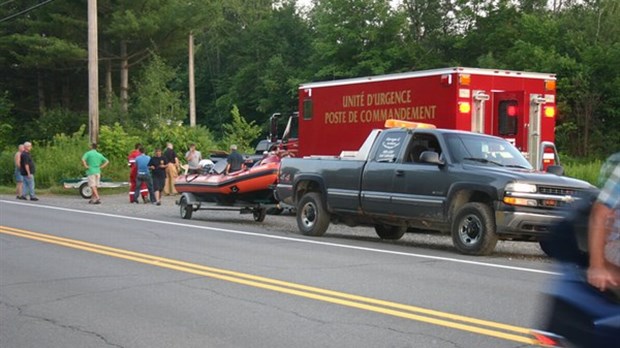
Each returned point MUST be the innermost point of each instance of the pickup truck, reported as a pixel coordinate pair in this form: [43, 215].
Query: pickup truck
[476, 187]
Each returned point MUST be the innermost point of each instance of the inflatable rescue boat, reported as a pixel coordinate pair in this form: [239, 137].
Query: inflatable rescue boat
[251, 185]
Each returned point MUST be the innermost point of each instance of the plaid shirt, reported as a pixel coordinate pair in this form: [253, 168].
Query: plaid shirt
[610, 197]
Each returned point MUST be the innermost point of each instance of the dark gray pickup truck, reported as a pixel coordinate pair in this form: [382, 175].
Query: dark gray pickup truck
[476, 187]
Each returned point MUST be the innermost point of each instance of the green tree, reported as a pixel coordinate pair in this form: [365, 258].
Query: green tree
[240, 132]
[154, 102]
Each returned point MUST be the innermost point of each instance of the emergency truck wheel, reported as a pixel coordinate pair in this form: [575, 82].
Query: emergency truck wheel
[86, 191]
[185, 208]
[312, 218]
[390, 232]
[473, 229]
[259, 214]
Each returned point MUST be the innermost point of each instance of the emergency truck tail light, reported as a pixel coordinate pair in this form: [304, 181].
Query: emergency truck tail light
[549, 85]
[464, 107]
[511, 110]
[549, 111]
[392, 123]
[464, 79]
[508, 113]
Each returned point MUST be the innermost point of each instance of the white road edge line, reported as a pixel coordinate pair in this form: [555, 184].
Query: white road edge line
[298, 240]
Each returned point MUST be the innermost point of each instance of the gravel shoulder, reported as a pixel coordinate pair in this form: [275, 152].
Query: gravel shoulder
[283, 224]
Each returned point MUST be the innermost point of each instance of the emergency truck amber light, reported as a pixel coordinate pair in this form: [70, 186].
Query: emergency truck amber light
[464, 79]
[464, 107]
[392, 123]
[549, 111]
[550, 85]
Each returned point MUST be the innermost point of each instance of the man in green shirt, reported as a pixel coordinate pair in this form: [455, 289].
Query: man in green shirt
[94, 161]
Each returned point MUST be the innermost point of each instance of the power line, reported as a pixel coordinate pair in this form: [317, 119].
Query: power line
[24, 11]
[6, 2]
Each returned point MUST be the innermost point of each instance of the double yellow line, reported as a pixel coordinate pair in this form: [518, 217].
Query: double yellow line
[454, 321]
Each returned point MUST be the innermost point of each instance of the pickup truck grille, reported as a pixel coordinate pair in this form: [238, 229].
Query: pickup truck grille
[548, 190]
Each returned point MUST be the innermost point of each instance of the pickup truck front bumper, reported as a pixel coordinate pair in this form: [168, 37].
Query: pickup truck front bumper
[526, 224]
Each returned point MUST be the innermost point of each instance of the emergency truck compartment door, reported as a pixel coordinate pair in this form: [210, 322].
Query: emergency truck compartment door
[510, 117]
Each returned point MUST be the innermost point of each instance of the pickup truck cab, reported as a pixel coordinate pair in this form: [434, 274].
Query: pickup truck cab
[476, 187]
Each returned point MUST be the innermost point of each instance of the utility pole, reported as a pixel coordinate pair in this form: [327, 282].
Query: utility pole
[93, 73]
[192, 92]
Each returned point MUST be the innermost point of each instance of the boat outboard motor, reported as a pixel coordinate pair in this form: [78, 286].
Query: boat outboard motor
[206, 165]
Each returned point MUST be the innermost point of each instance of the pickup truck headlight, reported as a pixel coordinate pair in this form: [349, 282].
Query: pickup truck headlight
[521, 187]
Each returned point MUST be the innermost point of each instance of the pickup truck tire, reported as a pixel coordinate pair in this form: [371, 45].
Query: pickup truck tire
[390, 232]
[312, 218]
[473, 229]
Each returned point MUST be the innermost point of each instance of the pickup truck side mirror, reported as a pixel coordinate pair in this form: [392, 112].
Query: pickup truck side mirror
[431, 157]
[557, 170]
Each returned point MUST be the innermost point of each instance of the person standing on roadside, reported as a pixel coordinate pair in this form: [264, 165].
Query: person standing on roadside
[94, 161]
[27, 170]
[193, 158]
[19, 179]
[133, 173]
[143, 176]
[604, 231]
[159, 164]
[171, 170]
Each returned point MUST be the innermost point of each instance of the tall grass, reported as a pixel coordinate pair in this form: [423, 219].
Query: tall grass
[584, 169]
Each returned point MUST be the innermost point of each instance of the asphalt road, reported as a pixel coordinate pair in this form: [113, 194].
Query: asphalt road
[121, 275]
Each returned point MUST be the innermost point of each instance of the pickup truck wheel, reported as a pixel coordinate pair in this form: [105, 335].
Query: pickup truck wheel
[312, 218]
[86, 191]
[473, 229]
[390, 232]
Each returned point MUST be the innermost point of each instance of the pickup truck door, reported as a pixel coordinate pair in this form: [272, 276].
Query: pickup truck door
[419, 189]
[378, 174]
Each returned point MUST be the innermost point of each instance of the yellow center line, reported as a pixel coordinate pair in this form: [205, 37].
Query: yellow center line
[479, 326]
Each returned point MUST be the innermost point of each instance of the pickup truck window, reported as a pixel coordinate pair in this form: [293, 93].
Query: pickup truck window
[420, 143]
[485, 150]
[390, 146]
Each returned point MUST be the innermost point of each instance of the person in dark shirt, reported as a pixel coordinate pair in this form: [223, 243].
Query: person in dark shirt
[235, 161]
[172, 170]
[158, 165]
[27, 169]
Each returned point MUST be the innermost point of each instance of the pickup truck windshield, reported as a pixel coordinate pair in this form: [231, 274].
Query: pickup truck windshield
[485, 150]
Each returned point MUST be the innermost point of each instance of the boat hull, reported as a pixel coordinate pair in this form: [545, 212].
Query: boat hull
[251, 186]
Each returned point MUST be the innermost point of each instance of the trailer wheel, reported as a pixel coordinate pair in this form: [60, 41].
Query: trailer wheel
[86, 191]
[312, 217]
[390, 232]
[473, 229]
[185, 208]
[259, 214]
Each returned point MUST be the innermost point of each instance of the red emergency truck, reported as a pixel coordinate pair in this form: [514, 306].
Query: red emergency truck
[336, 116]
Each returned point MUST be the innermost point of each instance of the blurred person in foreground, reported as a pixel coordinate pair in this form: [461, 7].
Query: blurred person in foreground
[604, 231]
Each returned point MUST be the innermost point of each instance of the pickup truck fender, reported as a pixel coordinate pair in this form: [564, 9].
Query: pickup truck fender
[306, 183]
[465, 192]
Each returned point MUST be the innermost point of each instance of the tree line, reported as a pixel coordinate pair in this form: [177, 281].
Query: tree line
[253, 54]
